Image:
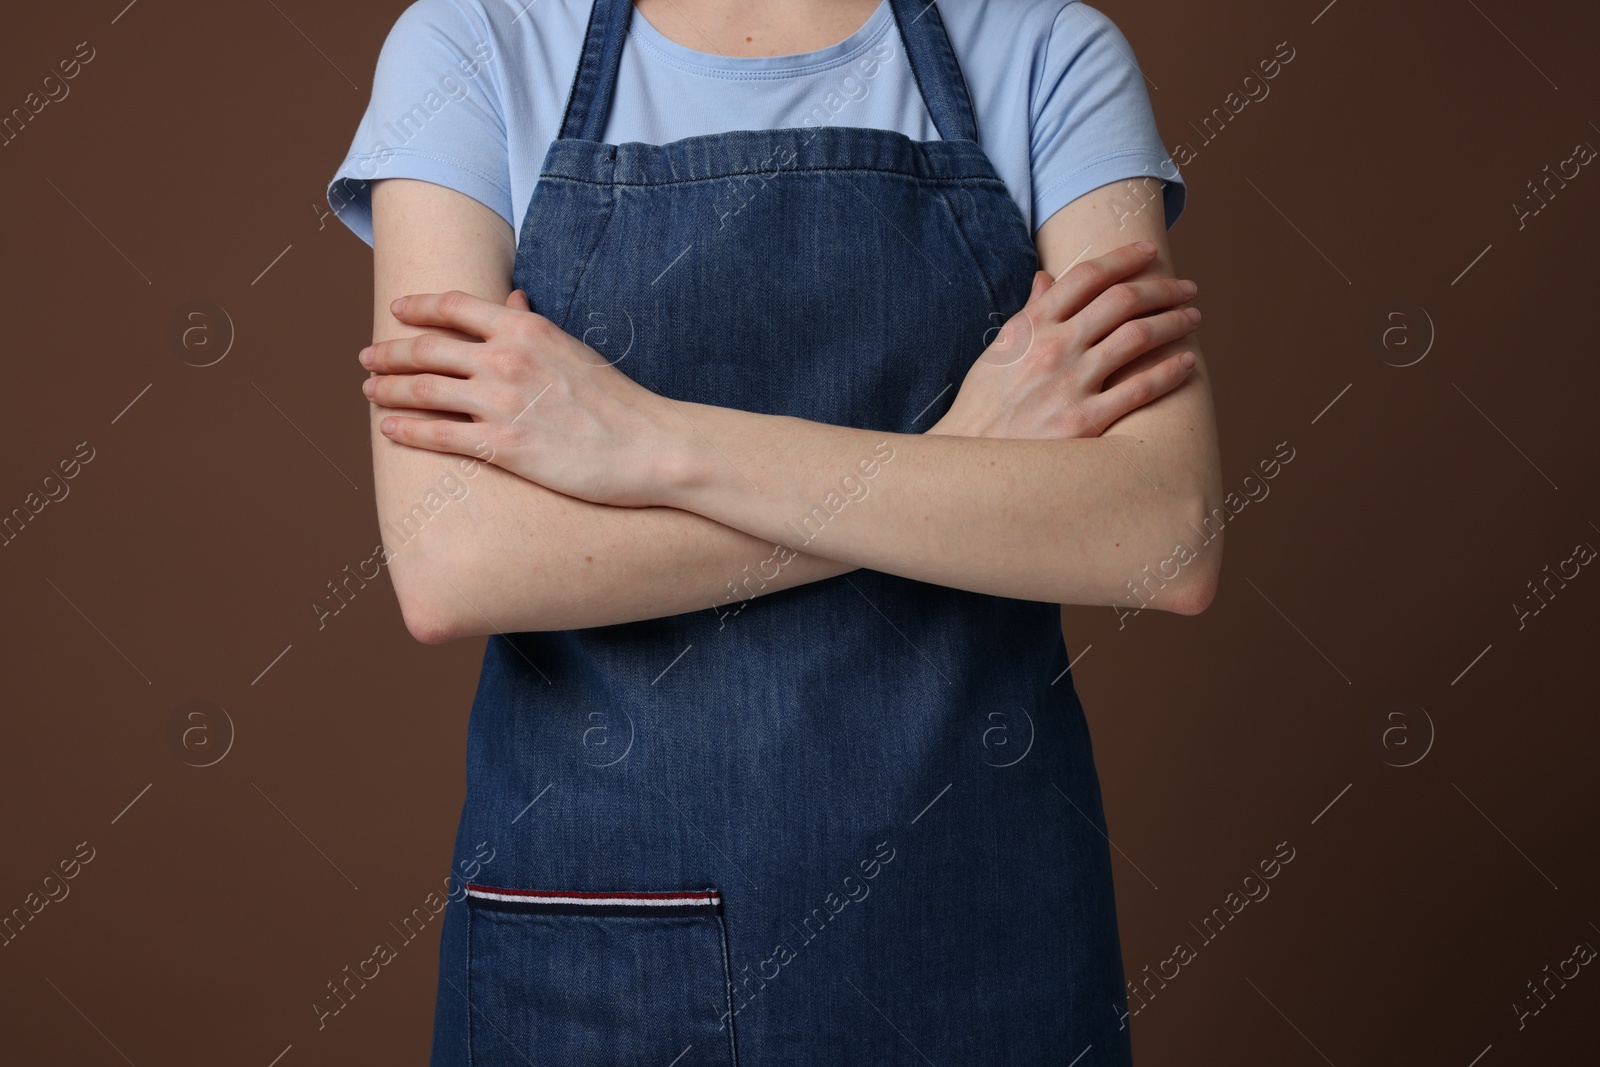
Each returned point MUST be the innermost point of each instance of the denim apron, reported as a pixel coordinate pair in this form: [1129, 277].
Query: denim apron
[855, 822]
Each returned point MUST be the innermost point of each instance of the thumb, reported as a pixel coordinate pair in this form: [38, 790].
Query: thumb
[519, 300]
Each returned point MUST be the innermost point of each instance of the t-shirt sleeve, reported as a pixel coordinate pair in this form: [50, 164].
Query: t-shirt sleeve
[436, 113]
[1092, 123]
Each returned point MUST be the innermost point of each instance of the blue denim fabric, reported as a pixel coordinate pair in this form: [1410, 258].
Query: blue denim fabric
[886, 785]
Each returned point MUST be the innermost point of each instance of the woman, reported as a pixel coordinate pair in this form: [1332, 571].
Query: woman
[782, 453]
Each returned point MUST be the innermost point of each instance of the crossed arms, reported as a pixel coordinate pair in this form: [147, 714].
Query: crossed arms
[1061, 520]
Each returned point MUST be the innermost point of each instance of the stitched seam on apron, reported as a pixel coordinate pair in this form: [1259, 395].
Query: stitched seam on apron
[727, 978]
[599, 240]
[468, 993]
[977, 264]
[932, 180]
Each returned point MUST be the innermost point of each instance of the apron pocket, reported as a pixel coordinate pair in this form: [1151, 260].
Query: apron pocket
[597, 979]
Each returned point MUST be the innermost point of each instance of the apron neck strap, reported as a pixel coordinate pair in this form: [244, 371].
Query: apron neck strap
[933, 65]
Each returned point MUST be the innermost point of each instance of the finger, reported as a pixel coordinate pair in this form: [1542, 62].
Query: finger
[423, 352]
[436, 435]
[455, 309]
[1133, 339]
[1075, 288]
[429, 392]
[1140, 389]
[1126, 301]
[1042, 280]
[518, 301]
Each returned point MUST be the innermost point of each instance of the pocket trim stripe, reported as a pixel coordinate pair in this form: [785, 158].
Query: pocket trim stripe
[578, 902]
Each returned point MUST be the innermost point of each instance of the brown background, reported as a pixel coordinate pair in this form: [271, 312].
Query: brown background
[1378, 576]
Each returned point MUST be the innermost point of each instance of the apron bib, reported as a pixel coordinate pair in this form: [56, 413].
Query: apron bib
[855, 822]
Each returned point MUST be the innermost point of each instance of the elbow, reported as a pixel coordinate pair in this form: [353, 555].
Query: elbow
[1202, 533]
[425, 622]
[426, 601]
[1197, 596]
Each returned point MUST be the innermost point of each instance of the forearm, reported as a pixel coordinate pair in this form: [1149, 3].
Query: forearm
[473, 549]
[1065, 521]
[496, 553]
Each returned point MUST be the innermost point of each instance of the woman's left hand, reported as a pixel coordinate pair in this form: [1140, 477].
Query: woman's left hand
[543, 404]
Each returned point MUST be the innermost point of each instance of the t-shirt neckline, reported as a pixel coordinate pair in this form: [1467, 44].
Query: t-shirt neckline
[796, 63]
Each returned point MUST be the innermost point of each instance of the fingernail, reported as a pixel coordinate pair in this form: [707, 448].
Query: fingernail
[399, 302]
[1187, 288]
[387, 426]
[1194, 315]
[1147, 247]
[366, 356]
[369, 386]
[1187, 359]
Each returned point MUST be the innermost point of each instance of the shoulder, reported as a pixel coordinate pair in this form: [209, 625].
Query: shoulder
[448, 18]
[500, 48]
[433, 34]
[1061, 88]
[509, 26]
[1024, 27]
[1009, 32]
[1025, 49]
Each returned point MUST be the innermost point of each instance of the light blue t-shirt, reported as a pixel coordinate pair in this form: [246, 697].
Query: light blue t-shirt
[469, 94]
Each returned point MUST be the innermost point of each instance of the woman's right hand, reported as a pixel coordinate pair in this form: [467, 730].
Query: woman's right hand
[1044, 373]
